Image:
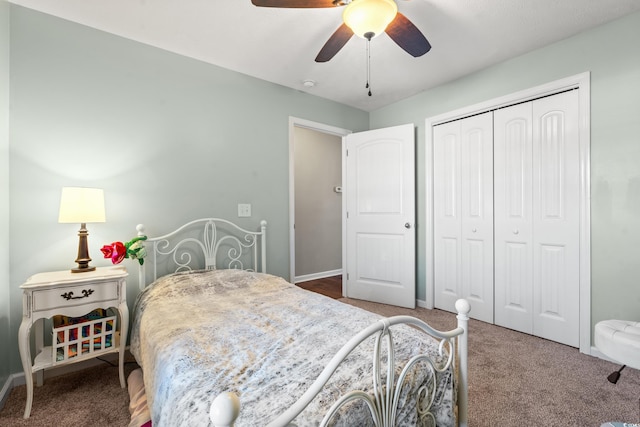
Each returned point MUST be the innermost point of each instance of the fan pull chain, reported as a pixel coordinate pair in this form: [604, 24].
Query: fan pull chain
[369, 66]
[368, 36]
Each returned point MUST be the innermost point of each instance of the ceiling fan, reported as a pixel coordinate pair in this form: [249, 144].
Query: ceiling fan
[366, 19]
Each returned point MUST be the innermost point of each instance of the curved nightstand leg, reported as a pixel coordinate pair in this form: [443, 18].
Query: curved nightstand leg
[124, 329]
[25, 356]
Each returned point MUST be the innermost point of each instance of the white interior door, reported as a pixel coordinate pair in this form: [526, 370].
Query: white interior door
[463, 214]
[380, 224]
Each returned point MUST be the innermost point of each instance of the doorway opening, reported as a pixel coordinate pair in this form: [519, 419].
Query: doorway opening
[316, 212]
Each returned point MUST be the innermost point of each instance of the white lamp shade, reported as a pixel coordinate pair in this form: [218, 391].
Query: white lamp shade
[81, 205]
[369, 16]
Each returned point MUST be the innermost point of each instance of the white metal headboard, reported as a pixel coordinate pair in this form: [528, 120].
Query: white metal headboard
[207, 243]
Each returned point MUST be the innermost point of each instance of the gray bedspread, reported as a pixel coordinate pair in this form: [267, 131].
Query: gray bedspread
[201, 333]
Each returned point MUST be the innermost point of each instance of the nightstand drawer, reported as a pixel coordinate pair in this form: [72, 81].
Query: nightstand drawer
[74, 295]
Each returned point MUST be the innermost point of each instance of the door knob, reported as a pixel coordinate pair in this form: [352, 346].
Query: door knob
[515, 232]
[473, 230]
[407, 225]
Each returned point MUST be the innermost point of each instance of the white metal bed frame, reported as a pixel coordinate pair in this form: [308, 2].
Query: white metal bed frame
[238, 242]
[216, 233]
[382, 406]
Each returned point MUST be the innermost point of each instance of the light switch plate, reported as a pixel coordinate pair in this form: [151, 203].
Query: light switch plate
[244, 210]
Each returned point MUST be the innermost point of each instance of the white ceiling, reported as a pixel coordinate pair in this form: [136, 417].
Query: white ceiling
[280, 45]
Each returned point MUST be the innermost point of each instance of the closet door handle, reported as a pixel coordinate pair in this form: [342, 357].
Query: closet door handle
[407, 225]
[516, 232]
[473, 230]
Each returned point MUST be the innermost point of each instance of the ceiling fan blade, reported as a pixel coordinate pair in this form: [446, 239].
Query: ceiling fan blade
[335, 43]
[294, 3]
[408, 36]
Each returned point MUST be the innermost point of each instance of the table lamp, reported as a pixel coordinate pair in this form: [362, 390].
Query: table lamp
[82, 205]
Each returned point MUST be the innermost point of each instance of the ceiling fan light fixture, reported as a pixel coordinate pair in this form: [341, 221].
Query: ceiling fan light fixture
[369, 16]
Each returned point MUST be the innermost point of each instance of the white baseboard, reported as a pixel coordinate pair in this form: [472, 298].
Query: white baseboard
[316, 276]
[6, 389]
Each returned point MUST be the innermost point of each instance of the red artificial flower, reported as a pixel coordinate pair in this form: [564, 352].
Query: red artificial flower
[116, 251]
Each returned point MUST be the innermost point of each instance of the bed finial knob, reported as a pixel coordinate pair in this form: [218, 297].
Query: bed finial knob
[140, 229]
[463, 306]
[224, 410]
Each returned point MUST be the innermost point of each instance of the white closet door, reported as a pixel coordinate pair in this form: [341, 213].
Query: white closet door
[537, 218]
[447, 217]
[513, 198]
[477, 214]
[556, 218]
[463, 190]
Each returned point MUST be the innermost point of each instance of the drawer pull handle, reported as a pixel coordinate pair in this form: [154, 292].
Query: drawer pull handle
[69, 295]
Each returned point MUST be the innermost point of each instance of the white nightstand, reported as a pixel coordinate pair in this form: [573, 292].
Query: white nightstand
[45, 295]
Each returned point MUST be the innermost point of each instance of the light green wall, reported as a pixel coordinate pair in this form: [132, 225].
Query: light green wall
[612, 54]
[169, 138]
[4, 193]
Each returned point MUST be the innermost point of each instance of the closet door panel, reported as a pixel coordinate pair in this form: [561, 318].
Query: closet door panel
[447, 220]
[556, 218]
[513, 199]
[449, 270]
[463, 214]
[477, 213]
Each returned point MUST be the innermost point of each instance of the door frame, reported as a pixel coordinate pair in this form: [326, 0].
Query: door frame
[322, 128]
[579, 81]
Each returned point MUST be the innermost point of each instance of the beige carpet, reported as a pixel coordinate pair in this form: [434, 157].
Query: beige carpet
[514, 380]
[520, 380]
[91, 397]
